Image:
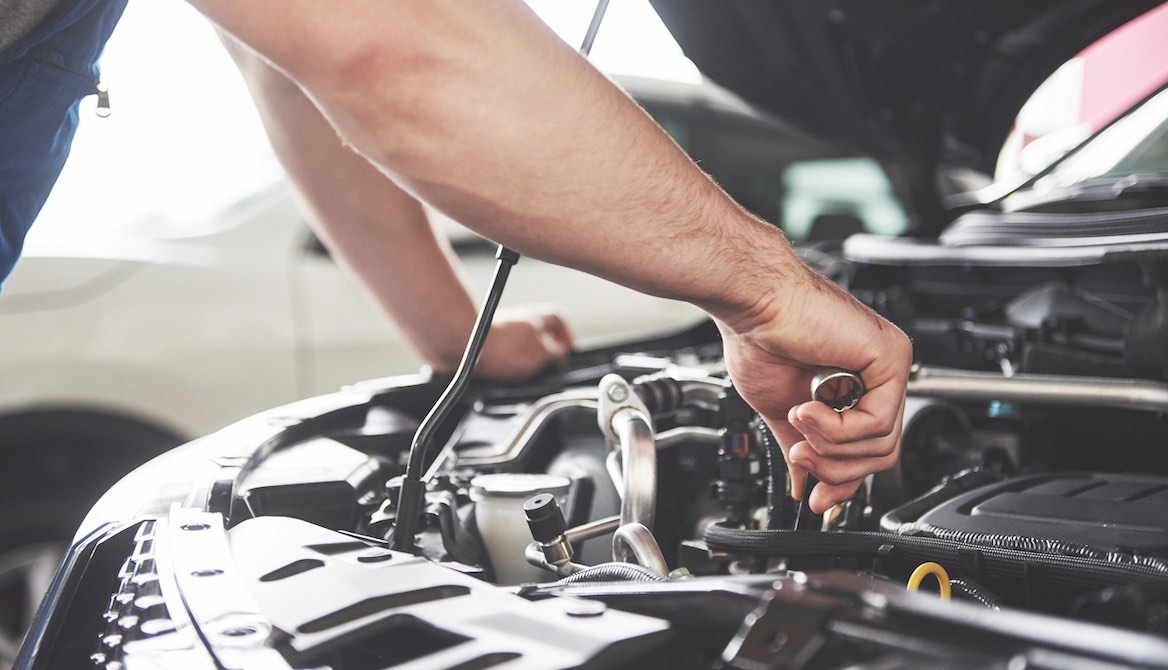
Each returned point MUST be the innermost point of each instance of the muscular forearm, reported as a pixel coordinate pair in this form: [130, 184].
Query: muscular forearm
[380, 232]
[480, 110]
[483, 112]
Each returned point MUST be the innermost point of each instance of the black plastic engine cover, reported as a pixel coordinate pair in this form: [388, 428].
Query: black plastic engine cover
[1108, 511]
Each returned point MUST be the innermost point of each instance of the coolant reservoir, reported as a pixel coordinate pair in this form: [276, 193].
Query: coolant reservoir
[499, 515]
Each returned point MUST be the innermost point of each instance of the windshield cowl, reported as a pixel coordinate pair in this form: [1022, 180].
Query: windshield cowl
[1111, 193]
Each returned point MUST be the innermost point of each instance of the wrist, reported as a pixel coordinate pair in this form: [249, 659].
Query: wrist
[757, 272]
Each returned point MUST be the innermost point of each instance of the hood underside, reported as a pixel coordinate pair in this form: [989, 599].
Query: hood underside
[924, 87]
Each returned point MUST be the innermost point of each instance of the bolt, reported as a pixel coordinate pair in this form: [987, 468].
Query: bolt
[585, 608]
[618, 393]
[375, 556]
[241, 631]
[243, 634]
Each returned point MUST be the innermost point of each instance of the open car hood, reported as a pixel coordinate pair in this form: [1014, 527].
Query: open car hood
[925, 87]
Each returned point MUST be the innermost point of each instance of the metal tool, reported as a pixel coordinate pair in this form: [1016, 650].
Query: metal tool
[839, 389]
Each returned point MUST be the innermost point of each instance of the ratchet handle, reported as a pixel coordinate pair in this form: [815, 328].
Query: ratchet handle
[838, 389]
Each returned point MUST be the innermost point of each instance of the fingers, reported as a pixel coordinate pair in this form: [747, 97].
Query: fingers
[838, 477]
[875, 416]
[841, 445]
[555, 335]
[840, 462]
[555, 325]
[837, 471]
[523, 341]
[825, 495]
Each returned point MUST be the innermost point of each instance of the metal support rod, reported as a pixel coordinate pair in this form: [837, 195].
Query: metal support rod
[593, 27]
[1044, 389]
[413, 489]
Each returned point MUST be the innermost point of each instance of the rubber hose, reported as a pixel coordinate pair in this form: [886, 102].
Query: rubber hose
[998, 562]
[903, 521]
[967, 590]
[1035, 545]
[660, 394]
[613, 572]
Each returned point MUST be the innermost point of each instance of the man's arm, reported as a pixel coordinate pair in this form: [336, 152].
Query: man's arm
[385, 238]
[483, 112]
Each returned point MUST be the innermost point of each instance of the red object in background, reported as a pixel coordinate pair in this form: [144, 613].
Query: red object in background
[1124, 67]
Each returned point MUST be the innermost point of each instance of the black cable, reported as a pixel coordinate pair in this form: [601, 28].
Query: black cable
[776, 495]
[413, 489]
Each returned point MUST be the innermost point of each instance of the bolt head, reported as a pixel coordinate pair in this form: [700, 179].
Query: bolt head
[585, 608]
[618, 393]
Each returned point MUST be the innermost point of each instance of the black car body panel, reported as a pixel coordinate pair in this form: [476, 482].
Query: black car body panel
[925, 87]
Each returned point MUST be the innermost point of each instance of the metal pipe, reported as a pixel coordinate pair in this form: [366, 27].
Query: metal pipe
[1046, 389]
[592, 529]
[638, 454]
[624, 420]
[612, 465]
[535, 554]
[522, 437]
[538, 416]
[704, 392]
[633, 543]
[593, 27]
[685, 434]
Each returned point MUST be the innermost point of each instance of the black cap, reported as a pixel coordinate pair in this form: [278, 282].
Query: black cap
[544, 517]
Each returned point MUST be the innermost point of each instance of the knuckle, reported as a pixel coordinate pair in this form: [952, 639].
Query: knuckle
[885, 425]
[886, 448]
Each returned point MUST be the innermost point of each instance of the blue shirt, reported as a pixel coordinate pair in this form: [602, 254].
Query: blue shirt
[42, 81]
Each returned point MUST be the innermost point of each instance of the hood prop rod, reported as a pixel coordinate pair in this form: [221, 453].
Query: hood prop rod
[413, 489]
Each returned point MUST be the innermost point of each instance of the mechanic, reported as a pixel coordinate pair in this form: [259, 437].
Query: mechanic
[50, 49]
[480, 110]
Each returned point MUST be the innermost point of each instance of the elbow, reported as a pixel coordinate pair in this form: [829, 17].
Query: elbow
[344, 67]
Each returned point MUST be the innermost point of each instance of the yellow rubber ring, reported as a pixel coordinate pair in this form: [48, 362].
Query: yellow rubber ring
[925, 569]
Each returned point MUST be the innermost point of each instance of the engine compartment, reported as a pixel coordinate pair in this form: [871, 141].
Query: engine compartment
[1031, 496]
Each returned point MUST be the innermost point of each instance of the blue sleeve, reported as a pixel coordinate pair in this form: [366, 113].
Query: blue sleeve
[42, 81]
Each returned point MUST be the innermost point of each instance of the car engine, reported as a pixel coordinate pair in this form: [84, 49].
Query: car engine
[630, 510]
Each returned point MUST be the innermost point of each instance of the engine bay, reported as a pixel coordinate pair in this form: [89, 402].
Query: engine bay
[631, 510]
